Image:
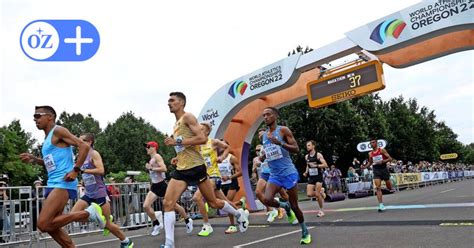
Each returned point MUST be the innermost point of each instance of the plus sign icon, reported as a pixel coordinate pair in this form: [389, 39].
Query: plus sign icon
[59, 40]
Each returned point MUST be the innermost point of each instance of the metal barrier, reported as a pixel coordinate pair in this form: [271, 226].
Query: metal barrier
[21, 210]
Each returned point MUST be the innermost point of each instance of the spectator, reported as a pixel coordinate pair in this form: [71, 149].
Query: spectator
[37, 195]
[114, 194]
[356, 165]
[335, 175]
[4, 219]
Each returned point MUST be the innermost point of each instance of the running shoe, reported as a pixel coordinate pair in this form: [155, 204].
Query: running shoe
[95, 214]
[272, 215]
[165, 246]
[381, 207]
[292, 218]
[320, 213]
[231, 229]
[106, 231]
[205, 231]
[155, 230]
[243, 220]
[280, 213]
[243, 203]
[189, 226]
[127, 245]
[306, 239]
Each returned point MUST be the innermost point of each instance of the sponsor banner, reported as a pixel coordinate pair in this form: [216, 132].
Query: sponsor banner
[448, 156]
[433, 176]
[393, 179]
[408, 178]
[418, 20]
[367, 147]
[228, 99]
[360, 186]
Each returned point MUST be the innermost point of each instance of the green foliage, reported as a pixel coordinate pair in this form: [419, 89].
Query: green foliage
[122, 144]
[14, 141]
[77, 124]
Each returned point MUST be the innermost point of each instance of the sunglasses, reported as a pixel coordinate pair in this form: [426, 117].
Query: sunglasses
[38, 115]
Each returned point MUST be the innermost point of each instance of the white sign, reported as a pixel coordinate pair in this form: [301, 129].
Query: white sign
[366, 147]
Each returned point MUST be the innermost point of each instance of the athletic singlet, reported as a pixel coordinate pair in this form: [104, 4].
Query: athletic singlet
[94, 184]
[377, 156]
[209, 154]
[155, 176]
[278, 157]
[225, 169]
[58, 161]
[314, 171]
[188, 156]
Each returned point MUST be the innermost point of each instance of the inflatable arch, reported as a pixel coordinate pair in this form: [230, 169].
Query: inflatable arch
[419, 33]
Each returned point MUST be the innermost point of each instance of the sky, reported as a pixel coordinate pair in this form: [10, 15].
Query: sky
[151, 48]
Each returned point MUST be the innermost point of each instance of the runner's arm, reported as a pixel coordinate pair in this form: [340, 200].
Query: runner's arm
[290, 144]
[161, 163]
[238, 170]
[99, 165]
[323, 164]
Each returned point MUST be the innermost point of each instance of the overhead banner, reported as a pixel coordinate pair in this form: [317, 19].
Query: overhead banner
[412, 22]
[367, 147]
[448, 156]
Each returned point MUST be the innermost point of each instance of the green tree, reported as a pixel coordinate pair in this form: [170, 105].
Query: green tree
[14, 141]
[121, 144]
[77, 124]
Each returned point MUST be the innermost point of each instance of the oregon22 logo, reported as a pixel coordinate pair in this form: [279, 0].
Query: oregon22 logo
[393, 27]
[59, 40]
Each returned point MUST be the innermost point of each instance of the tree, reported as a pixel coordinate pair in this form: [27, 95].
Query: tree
[13, 141]
[77, 124]
[122, 144]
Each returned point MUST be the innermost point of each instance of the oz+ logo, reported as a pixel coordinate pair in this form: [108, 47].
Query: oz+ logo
[59, 40]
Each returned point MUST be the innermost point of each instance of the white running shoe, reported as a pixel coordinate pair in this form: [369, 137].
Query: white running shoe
[95, 214]
[320, 213]
[189, 226]
[243, 220]
[272, 215]
[156, 229]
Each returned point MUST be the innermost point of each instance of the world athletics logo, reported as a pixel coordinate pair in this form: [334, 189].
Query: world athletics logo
[238, 87]
[393, 27]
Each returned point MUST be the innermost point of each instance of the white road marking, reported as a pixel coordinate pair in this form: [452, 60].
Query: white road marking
[444, 191]
[269, 238]
[110, 240]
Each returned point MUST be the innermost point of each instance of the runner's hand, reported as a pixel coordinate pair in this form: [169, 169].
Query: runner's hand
[148, 166]
[170, 141]
[71, 176]
[27, 158]
[274, 140]
[174, 161]
[305, 174]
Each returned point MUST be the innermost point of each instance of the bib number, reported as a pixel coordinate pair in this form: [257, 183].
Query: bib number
[313, 171]
[377, 159]
[49, 163]
[273, 152]
[208, 162]
[88, 179]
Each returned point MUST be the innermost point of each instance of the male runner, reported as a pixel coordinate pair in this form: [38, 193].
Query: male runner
[278, 142]
[62, 172]
[378, 158]
[95, 190]
[190, 167]
[157, 168]
[315, 165]
[272, 213]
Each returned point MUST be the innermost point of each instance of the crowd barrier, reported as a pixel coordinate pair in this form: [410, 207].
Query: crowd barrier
[21, 210]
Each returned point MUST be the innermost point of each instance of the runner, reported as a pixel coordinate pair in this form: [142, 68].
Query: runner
[272, 213]
[378, 158]
[209, 152]
[278, 142]
[95, 190]
[190, 168]
[315, 165]
[62, 177]
[157, 168]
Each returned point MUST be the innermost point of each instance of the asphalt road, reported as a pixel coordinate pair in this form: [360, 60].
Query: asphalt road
[435, 216]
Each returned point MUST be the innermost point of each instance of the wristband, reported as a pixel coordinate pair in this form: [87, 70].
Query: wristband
[77, 169]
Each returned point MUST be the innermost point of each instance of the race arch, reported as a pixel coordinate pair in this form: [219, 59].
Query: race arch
[419, 33]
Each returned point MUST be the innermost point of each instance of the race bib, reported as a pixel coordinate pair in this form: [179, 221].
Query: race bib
[49, 163]
[313, 171]
[88, 179]
[154, 176]
[273, 152]
[377, 159]
[179, 148]
[208, 162]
